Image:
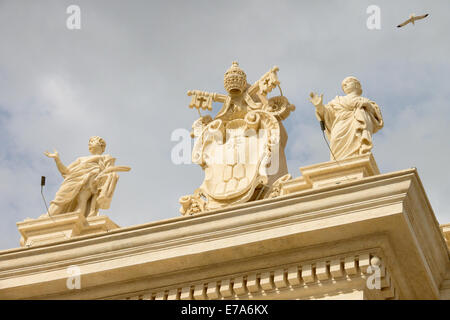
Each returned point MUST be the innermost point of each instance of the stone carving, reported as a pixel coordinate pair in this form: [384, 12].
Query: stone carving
[278, 185]
[192, 204]
[350, 121]
[89, 182]
[241, 150]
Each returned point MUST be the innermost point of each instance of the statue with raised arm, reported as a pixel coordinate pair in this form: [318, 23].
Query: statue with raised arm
[350, 120]
[89, 182]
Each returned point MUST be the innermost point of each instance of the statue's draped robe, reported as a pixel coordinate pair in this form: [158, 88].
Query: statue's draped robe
[82, 174]
[350, 122]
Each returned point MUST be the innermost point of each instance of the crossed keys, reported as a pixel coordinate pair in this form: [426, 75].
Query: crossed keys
[267, 83]
[203, 100]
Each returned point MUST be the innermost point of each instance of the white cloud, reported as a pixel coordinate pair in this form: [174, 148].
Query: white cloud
[125, 74]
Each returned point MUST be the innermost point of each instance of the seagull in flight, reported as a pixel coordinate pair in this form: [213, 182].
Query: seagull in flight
[411, 19]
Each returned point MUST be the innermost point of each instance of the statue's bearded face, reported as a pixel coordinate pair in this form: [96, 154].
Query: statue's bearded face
[350, 86]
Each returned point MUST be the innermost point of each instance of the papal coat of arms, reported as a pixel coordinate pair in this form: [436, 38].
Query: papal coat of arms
[241, 150]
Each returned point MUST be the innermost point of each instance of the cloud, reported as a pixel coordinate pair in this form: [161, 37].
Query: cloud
[125, 74]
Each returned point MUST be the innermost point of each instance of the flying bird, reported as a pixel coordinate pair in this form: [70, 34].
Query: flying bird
[411, 19]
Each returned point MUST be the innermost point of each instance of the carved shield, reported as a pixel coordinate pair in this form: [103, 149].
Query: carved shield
[232, 166]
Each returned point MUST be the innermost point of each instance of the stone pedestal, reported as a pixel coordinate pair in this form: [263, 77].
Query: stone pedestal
[332, 173]
[98, 224]
[335, 172]
[61, 227]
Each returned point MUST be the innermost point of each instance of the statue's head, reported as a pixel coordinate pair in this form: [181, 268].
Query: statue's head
[351, 84]
[235, 80]
[97, 145]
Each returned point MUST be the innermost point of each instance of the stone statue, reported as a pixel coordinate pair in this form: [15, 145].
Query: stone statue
[241, 150]
[350, 121]
[89, 182]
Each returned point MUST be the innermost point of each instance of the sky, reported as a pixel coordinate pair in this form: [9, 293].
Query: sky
[124, 76]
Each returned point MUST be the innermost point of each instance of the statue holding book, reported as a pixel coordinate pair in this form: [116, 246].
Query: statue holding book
[89, 182]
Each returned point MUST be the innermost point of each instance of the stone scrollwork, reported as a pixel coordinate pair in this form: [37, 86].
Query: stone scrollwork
[280, 107]
[192, 204]
[277, 186]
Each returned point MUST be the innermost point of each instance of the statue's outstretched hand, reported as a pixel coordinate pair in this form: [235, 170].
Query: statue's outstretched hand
[316, 99]
[53, 155]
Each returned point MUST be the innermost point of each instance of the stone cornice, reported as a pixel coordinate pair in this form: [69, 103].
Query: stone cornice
[239, 209]
[241, 218]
